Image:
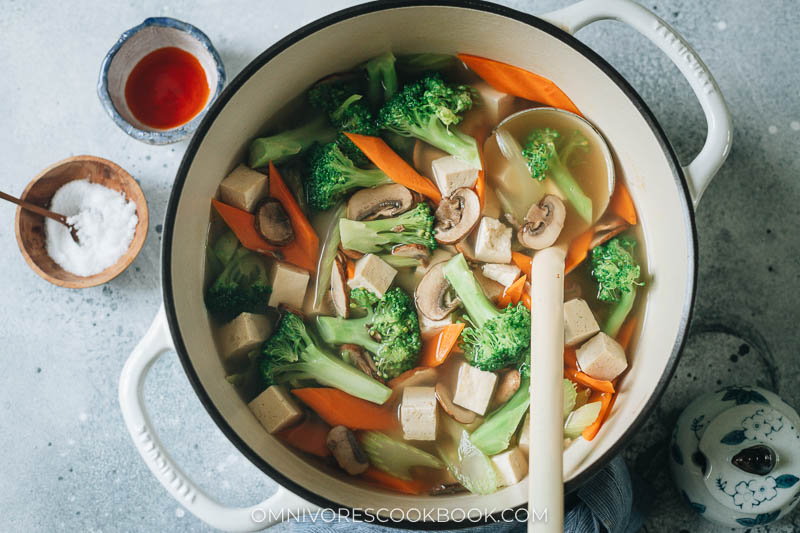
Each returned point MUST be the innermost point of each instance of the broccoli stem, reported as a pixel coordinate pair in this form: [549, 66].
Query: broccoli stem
[619, 312]
[333, 372]
[449, 140]
[567, 184]
[338, 330]
[278, 148]
[494, 435]
[479, 308]
[382, 76]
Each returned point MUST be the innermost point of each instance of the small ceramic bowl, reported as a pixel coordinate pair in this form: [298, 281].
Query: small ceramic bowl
[30, 226]
[132, 46]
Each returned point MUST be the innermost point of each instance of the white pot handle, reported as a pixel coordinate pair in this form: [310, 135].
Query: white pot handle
[283, 503]
[718, 142]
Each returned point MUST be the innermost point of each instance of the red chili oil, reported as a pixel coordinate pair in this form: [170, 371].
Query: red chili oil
[166, 88]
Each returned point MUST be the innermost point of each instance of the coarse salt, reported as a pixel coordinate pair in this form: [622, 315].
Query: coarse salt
[104, 219]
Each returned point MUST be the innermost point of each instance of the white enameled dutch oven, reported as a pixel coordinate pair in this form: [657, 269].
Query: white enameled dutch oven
[664, 193]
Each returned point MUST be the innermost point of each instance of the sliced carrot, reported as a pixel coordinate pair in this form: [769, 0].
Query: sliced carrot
[512, 293]
[526, 299]
[304, 232]
[523, 262]
[309, 436]
[480, 184]
[570, 358]
[626, 333]
[338, 408]
[607, 401]
[351, 269]
[394, 382]
[380, 478]
[436, 349]
[243, 225]
[579, 377]
[519, 82]
[578, 250]
[394, 166]
[621, 203]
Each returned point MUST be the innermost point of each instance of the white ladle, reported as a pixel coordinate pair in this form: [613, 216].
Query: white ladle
[545, 482]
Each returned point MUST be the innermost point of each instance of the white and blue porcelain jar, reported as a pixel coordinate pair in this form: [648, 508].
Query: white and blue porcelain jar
[735, 456]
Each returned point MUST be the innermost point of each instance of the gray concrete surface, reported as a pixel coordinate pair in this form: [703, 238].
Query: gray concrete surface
[67, 463]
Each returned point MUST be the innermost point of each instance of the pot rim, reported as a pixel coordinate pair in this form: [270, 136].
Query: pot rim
[380, 5]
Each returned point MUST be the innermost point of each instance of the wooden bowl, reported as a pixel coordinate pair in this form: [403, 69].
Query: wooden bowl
[30, 227]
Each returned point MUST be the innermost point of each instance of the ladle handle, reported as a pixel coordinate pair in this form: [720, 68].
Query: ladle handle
[720, 130]
[281, 505]
[34, 208]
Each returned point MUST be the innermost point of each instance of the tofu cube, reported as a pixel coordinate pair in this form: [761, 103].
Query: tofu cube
[418, 413]
[601, 357]
[497, 105]
[524, 443]
[493, 241]
[276, 409]
[511, 467]
[243, 188]
[474, 388]
[451, 173]
[372, 273]
[428, 328]
[579, 322]
[288, 285]
[244, 333]
[505, 275]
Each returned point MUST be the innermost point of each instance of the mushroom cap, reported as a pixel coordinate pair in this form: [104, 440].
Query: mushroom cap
[345, 448]
[431, 294]
[457, 215]
[543, 223]
[445, 397]
[608, 228]
[383, 201]
[358, 357]
[339, 293]
[272, 223]
[417, 251]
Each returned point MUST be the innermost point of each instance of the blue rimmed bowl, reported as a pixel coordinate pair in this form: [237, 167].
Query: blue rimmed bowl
[132, 46]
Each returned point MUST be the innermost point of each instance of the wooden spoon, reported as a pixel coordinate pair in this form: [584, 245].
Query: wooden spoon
[545, 479]
[43, 212]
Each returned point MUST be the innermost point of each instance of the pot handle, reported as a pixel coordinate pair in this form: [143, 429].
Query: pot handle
[720, 131]
[283, 503]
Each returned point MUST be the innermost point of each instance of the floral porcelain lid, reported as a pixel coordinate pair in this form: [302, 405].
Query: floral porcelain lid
[735, 456]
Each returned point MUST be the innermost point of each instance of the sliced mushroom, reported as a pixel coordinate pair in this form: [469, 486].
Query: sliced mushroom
[432, 295]
[383, 201]
[273, 224]
[507, 386]
[416, 251]
[355, 255]
[465, 416]
[339, 293]
[345, 448]
[443, 490]
[457, 215]
[607, 229]
[543, 223]
[355, 355]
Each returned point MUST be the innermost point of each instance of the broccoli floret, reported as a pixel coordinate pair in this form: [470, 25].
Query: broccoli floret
[380, 236]
[278, 148]
[381, 78]
[426, 109]
[390, 330]
[548, 156]
[243, 286]
[332, 175]
[348, 112]
[291, 355]
[495, 339]
[617, 275]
